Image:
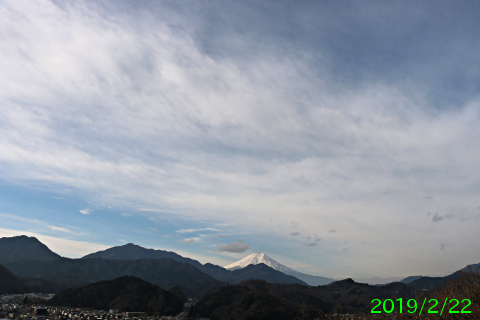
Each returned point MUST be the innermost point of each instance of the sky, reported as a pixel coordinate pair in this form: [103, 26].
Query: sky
[341, 138]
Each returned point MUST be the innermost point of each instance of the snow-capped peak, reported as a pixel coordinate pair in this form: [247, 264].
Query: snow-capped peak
[256, 258]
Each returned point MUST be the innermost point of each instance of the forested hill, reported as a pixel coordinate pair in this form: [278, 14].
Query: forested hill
[125, 293]
[24, 248]
[9, 283]
[166, 273]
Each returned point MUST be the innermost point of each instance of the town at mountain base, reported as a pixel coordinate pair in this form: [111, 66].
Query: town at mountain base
[255, 289]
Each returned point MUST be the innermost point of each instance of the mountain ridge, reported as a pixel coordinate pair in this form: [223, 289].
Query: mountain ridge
[256, 299]
[257, 258]
[166, 273]
[20, 250]
[263, 272]
[24, 248]
[131, 251]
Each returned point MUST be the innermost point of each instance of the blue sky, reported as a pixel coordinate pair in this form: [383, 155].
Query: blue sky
[340, 138]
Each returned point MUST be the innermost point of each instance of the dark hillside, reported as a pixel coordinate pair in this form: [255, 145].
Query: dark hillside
[432, 283]
[131, 251]
[9, 283]
[283, 301]
[166, 273]
[24, 248]
[125, 293]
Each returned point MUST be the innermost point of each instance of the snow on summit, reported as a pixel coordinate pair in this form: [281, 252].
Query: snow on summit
[257, 258]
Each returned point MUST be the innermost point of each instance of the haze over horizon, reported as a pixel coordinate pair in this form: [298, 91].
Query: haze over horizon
[340, 138]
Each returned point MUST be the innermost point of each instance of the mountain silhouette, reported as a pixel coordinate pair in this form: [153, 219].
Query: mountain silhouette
[258, 258]
[9, 283]
[131, 251]
[24, 248]
[125, 293]
[166, 273]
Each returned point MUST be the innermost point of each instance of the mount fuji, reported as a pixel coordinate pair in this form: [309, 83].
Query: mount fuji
[257, 258]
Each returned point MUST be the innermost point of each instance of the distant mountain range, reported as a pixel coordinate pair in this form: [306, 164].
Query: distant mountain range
[166, 273]
[408, 280]
[133, 278]
[47, 270]
[33, 267]
[132, 251]
[377, 280]
[429, 283]
[258, 258]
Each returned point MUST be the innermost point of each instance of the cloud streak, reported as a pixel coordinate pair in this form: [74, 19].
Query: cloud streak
[190, 240]
[197, 230]
[65, 230]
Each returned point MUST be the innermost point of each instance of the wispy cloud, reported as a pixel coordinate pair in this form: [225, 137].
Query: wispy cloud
[85, 211]
[436, 217]
[235, 247]
[197, 230]
[190, 240]
[54, 228]
[29, 224]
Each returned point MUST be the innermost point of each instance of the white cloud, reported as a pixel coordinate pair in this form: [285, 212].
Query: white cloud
[141, 114]
[54, 228]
